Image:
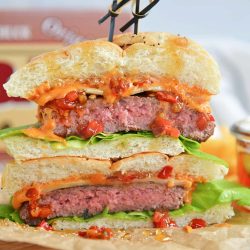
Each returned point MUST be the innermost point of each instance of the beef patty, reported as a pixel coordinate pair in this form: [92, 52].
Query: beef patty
[87, 201]
[132, 113]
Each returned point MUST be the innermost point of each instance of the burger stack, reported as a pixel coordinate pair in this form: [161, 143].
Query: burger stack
[117, 138]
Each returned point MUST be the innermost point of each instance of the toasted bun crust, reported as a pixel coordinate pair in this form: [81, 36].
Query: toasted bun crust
[45, 170]
[25, 148]
[152, 54]
[216, 214]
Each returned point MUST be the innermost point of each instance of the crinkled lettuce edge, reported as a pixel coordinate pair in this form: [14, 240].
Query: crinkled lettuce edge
[190, 146]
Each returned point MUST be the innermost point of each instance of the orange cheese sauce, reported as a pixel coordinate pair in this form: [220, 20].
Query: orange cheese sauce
[114, 86]
[190, 184]
[44, 132]
[21, 195]
[44, 95]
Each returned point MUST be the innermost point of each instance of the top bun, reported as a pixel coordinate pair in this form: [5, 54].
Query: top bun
[159, 56]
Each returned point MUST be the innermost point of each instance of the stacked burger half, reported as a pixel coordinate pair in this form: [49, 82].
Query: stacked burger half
[117, 139]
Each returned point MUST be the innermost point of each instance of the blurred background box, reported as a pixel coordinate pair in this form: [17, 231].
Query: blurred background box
[25, 34]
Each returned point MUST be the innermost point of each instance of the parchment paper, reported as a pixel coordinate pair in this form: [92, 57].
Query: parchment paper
[235, 234]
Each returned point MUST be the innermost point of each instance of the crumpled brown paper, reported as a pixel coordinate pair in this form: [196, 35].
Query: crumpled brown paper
[233, 235]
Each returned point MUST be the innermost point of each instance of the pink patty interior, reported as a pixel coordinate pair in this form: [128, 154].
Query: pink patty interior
[129, 114]
[91, 200]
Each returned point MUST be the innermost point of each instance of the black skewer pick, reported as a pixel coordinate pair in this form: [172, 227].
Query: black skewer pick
[135, 20]
[117, 7]
[137, 10]
[112, 21]
[139, 15]
[113, 14]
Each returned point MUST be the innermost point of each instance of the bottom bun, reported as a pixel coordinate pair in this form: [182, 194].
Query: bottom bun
[217, 214]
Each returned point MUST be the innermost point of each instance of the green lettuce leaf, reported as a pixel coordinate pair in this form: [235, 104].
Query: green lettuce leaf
[5, 211]
[110, 137]
[190, 146]
[16, 217]
[193, 147]
[209, 194]
[78, 142]
[7, 132]
[143, 215]
[8, 212]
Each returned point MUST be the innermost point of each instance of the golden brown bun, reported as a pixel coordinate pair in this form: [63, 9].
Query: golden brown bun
[45, 170]
[154, 54]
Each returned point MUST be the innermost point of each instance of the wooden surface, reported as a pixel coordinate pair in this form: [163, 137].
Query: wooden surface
[18, 246]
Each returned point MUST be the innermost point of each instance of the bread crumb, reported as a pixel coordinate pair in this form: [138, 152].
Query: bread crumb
[187, 229]
[161, 236]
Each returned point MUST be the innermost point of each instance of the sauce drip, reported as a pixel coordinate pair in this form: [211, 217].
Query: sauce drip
[43, 224]
[39, 211]
[91, 129]
[197, 223]
[42, 211]
[202, 120]
[95, 232]
[166, 97]
[161, 126]
[162, 220]
[32, 193]
[165, 172]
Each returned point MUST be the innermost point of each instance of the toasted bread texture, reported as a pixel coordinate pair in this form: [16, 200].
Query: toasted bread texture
[216, 214]
[46, 170]
[158, 55]
[25, 148]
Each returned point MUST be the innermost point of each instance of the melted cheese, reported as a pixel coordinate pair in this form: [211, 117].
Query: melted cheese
[193, 96]
[61, 92]
[45, 132]
[73, 181]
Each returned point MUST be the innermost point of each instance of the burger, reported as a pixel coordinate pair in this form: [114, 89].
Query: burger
[117, 139]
